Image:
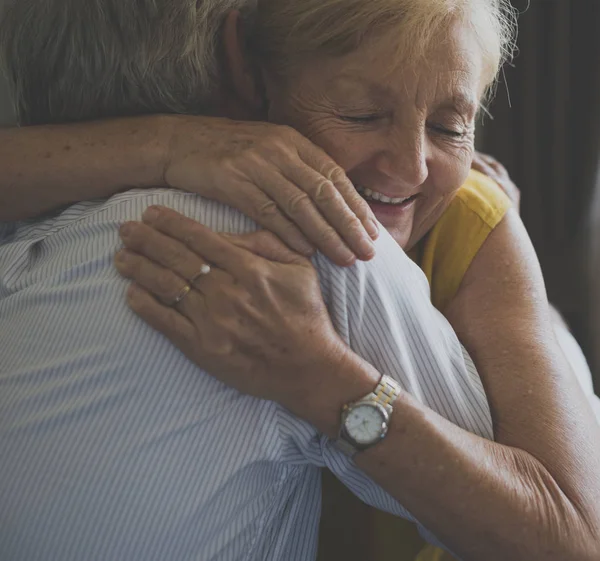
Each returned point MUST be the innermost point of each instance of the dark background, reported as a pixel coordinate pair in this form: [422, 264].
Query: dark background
[546, 131]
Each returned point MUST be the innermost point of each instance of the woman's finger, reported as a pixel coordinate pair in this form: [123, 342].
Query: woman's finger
[490, 166]
[318, 160]
[480, 164]
[493, 163]
[266, 245]
[164, 250]
[166, 286]
[212, 247]
[298, 206]
[168, 321]
[266, 212]
[333, 209]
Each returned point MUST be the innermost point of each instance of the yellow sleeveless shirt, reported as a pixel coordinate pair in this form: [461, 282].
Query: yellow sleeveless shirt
[448, 249]
[445, 255]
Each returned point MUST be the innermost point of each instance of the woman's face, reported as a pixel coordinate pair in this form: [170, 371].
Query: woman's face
[404, 135]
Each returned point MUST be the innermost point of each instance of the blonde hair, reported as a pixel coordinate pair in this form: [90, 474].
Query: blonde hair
[70, 60]
[288, 31]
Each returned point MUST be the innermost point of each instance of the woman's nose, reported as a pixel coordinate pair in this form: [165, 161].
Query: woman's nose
[404, 161]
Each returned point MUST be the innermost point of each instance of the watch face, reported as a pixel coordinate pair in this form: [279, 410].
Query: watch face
[365, 423]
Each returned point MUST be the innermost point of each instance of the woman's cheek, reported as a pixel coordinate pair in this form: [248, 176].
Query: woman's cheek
[346, 149]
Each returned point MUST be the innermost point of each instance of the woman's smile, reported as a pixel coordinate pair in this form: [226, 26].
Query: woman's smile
[391, 211]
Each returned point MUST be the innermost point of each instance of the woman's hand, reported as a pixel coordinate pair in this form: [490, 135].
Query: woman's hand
[496, 171]
[277, 177]
[270, 173]
[258, 325]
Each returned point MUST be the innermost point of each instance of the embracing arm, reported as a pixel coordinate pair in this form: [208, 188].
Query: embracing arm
[49, 166]
[535, 492]
[269, 172]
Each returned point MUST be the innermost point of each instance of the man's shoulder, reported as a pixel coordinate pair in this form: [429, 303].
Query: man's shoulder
[382, 276]
[130, 205]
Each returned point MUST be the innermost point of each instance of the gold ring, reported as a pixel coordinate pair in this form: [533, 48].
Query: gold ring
[204, 270]
[184, 292]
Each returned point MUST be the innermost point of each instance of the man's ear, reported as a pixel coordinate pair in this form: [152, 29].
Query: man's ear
[244, 76]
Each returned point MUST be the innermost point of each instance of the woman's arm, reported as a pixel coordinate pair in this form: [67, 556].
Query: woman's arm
[534, 494]
[269, 172]
[50, 166]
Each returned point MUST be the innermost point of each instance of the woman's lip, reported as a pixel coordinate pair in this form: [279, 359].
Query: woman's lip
[361, 190]
[387, 209]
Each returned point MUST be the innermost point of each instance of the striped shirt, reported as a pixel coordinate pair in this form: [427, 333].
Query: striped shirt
[115, 447]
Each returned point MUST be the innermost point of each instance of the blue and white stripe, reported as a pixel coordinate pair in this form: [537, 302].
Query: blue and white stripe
[114, 447]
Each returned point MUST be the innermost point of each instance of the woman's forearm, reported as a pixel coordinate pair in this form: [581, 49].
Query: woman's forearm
[49, 166]
[484, 500]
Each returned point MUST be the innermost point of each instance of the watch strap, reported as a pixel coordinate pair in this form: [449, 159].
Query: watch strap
[386, 392]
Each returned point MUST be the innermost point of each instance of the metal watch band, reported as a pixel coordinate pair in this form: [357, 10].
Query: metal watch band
[385, 393]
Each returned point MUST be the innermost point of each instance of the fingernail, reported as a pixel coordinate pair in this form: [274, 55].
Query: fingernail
[151, 214]
[133, 291]
[349, 260]
[373, 229]
[367, 249]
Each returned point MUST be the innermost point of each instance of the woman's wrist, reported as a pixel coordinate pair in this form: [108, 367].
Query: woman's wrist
[341, 378]
[168, 127]
[150, 148]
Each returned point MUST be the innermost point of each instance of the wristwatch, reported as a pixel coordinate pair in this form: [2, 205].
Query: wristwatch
[365, 422]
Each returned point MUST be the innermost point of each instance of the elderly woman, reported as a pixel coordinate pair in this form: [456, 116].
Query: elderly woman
[390, 90]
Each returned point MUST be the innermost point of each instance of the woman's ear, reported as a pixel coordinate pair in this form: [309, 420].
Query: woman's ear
[243, 76]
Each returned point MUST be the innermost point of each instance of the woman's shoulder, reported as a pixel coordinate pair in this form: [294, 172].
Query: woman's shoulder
[451, 245]
[479, 198]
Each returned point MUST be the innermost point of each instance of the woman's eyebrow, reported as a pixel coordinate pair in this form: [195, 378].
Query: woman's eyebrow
[375, 88]
[461, 102]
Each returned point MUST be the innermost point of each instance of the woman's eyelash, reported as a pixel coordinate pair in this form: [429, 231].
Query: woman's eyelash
[360, 118]
[366, 119]
[371, 118]
[448, 132]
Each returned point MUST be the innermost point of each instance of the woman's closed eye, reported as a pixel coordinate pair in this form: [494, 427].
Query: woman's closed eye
[362, 119]
[450, 132]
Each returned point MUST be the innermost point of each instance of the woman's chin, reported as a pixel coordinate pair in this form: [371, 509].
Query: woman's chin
[402, 238]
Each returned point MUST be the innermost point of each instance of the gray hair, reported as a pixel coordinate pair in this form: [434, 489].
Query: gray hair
[72, 60]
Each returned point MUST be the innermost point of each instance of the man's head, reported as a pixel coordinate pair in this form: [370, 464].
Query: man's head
[72, 60]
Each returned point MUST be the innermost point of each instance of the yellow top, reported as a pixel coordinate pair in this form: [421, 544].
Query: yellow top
[448, 249]
[445, 255]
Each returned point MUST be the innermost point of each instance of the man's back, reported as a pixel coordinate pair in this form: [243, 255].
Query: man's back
[114, 446]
